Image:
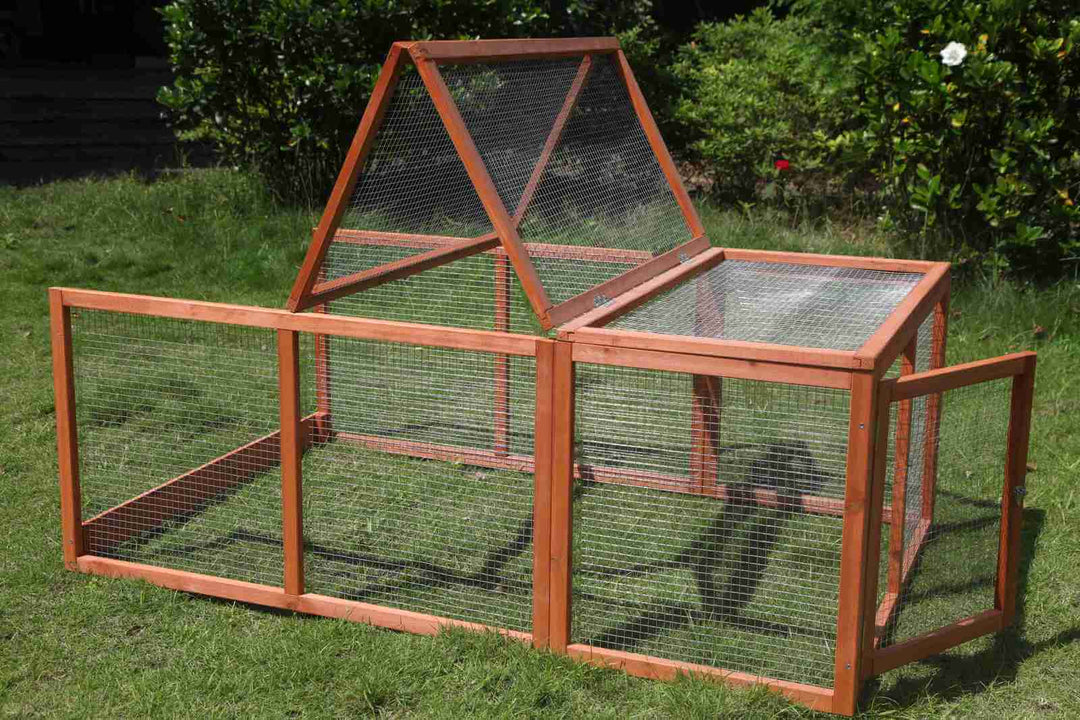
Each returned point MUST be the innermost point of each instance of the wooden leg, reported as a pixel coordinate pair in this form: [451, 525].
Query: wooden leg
[67, 440]
[292, 451]
[502, 362]
[1012, 504]
[545, 374]
[705, 431]
[562, 478]
[933, 409]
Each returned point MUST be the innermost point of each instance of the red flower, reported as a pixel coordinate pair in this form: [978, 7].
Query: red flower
[782, 164]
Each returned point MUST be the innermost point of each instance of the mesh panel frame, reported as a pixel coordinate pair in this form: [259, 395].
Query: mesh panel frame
[687, 576]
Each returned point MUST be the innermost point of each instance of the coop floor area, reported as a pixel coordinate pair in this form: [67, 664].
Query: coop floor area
[816, 306]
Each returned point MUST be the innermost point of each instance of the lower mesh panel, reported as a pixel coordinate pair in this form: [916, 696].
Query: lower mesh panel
[950, 553]
[422, 500]
[179, 457]
[732, 562]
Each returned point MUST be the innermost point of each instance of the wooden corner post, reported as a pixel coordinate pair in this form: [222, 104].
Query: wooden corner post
[292, 450]
[562, 480]
[542, 449]
[859, 550]
[67, 441]
[1012, 496]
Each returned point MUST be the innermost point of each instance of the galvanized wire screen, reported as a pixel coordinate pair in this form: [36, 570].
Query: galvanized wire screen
[423, 498]
[788, 304]
[732, 563]
[951, 574]
[178, 456]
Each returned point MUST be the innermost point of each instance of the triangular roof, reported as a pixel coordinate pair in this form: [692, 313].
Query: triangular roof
[545, 148]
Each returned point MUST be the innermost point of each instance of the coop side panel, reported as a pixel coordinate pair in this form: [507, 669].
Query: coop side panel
[179, 445]
[421, 498]
[738, 570]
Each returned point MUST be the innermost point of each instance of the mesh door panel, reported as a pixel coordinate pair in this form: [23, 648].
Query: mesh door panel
[951, 575]
[788, 304]
[411, 505]
[744, 579]
[163, 400]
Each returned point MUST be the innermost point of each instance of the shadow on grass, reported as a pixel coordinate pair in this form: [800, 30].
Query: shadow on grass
[953, 675]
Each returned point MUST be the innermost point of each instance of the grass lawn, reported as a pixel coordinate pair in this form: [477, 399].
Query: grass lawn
[75, 645]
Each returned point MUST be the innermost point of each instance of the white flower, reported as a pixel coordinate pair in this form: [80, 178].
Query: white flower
[953, 54]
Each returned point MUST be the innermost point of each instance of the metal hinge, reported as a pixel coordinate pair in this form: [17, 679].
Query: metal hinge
[600, 299]
[1019, 493]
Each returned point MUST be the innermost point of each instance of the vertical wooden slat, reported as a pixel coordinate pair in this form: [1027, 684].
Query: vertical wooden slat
[291, 458]
[542, 449]
[67, 439]
[502, 362]
[562, 478]
[667, 165]
[323, 426]
[1012, 504]
[870, 638]
[859, 513]
[934, 406]
[483, 184]
[705, 430]
[900, 475]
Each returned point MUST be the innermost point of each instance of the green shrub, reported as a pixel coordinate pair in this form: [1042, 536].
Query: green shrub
[279, 87]
[755, 90]
[979, 159]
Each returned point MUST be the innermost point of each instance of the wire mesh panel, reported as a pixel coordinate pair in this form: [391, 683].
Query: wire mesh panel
[178, 443]
[951, 553]
[422, 500]
[732, 563]
[804, 305]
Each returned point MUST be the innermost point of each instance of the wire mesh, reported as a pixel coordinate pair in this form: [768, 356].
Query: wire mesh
[423, 498]
[731, 562]
[788, 304]
[952, 526]
[178, 456]
[602, 187]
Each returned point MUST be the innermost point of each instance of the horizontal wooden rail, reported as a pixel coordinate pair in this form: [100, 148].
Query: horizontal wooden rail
[185, 493]
[848, 261]
[252, 316]
[454, 51]
[644, 292]
[630, 279]
[938, 641]
[647, 666]
[589, 346]
[359, 281]
[957, 376]
[325, 606]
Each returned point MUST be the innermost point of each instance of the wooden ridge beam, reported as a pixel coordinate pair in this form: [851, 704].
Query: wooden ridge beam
[459, 51]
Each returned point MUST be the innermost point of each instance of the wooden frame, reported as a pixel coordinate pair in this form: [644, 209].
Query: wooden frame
[863, 509]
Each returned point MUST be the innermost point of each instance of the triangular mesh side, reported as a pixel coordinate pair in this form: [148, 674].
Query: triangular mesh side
[602, 188]
[509, 109]
[413, 182]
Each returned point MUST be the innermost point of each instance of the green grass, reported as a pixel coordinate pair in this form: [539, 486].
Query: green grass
[75, 645]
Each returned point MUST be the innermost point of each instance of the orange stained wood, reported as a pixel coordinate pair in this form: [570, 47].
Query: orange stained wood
[553, 138]
[647, 666]
[455, 51]
[339, 325]
[562, 480]
[67, 439]
[586, 301]
[356, 282]
[1012, 503]
[346, 182]
[647, 290]
[292, 454]
[501, 437]
[390, 618]
[900, 475]
[847, 261]
[659, 148]
[938, 641]
[585, 351]
[933, 407]
[542, 443]
[957, 376]
[861, 517]
[482, 182]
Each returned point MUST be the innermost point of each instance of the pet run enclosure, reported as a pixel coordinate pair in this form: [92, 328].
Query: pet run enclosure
[532, 397]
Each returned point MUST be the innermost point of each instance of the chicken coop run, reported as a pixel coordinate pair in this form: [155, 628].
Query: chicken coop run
[531, 396]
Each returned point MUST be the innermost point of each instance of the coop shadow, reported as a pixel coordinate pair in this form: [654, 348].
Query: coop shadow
[953, 675]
